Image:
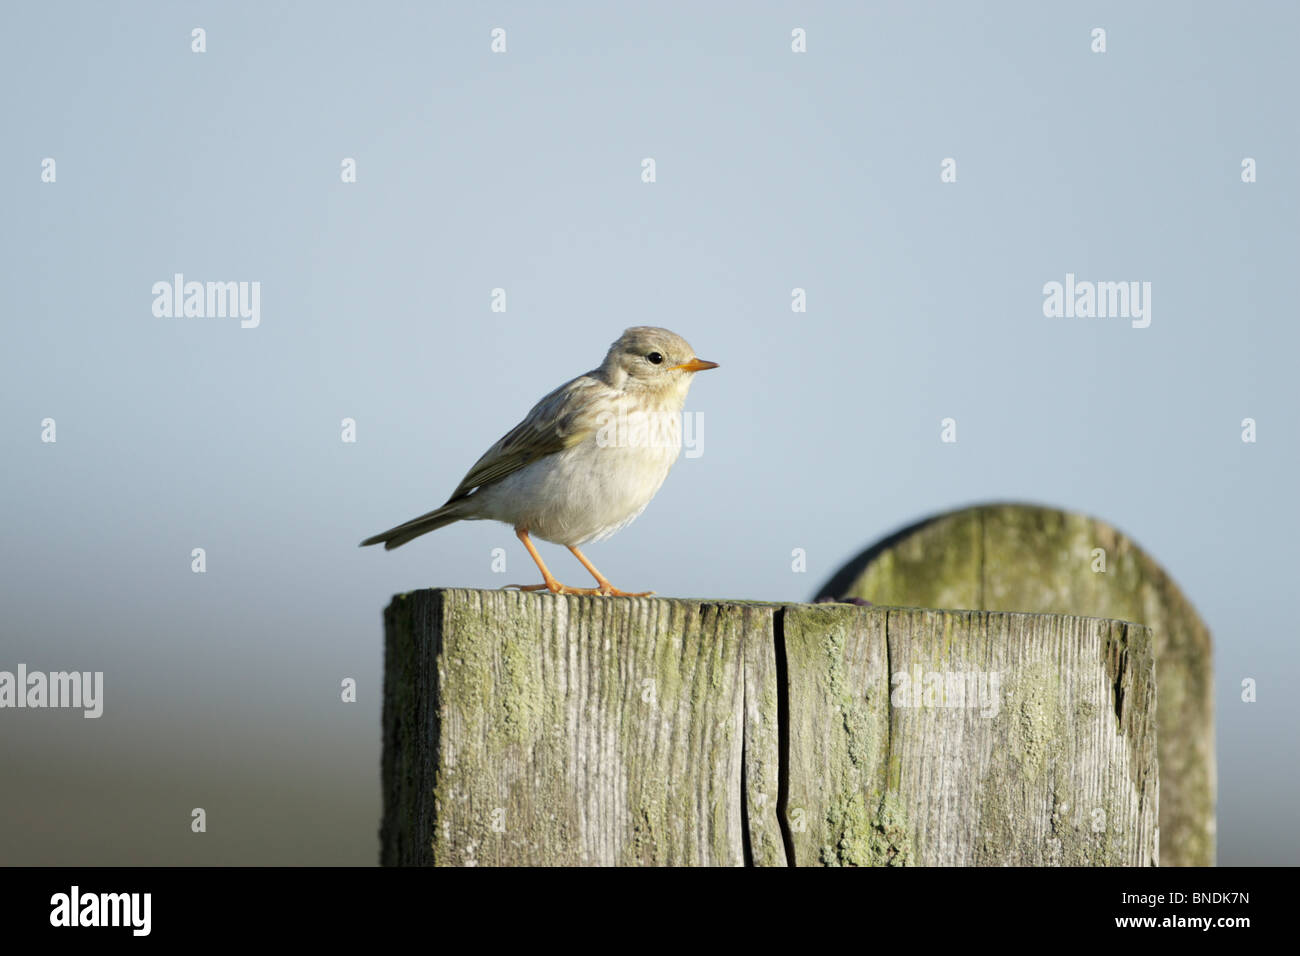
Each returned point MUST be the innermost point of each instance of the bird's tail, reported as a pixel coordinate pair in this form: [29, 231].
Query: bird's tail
[396, 537]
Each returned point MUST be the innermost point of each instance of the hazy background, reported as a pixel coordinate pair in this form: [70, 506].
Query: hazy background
[522, 171]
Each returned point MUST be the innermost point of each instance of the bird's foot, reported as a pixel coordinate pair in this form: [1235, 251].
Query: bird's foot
[555, 587]
[608, 590]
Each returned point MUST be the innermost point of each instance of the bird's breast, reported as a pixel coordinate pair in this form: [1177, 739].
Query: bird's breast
[594, 488]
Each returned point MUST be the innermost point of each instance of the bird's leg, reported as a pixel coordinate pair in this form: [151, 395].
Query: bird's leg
[552, 585]
[605, 587]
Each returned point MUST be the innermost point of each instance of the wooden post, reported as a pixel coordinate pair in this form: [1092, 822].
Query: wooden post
[1008, 557]
[529, 729]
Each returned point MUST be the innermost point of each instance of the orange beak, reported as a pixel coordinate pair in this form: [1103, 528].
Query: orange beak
[695, 365]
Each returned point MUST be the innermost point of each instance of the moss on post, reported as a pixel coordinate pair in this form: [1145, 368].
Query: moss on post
[1007, 557]
[529, 729]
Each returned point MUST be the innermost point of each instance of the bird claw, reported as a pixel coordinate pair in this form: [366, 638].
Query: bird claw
[607, 590]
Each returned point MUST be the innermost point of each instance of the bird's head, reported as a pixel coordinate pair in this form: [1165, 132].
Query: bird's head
[653, 359]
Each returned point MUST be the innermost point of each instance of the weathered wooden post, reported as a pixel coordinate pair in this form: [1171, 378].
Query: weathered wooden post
[1013, 557]
[530, 729]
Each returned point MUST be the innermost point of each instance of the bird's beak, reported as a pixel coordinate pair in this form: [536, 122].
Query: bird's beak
[694, 365]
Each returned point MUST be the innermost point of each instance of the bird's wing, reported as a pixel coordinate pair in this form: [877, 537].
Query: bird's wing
[560, 420]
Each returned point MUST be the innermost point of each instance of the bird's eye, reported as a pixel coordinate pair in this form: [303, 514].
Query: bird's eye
[655, 358]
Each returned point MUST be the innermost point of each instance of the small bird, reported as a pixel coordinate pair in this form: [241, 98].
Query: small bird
[585, 461]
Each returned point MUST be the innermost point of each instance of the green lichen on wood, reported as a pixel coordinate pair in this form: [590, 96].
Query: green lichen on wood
[567, 717]
[761, 739]
[867, 831]
[1035, 559]
[840, 814]
[1099, 769]
[533, 729]
[926, 573]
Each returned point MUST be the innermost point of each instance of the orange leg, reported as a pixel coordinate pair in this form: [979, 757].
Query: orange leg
[552, 585]
[605, 587]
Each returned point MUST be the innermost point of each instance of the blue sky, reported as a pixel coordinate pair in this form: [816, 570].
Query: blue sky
[775, 171]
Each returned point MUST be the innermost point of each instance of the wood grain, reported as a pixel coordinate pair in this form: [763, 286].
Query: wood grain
[529, 729]
[1010, 557]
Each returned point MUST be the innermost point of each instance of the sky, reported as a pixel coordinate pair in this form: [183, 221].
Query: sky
[922, 171]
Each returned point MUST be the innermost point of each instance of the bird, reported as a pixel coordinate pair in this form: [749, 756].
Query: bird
[585, 461]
